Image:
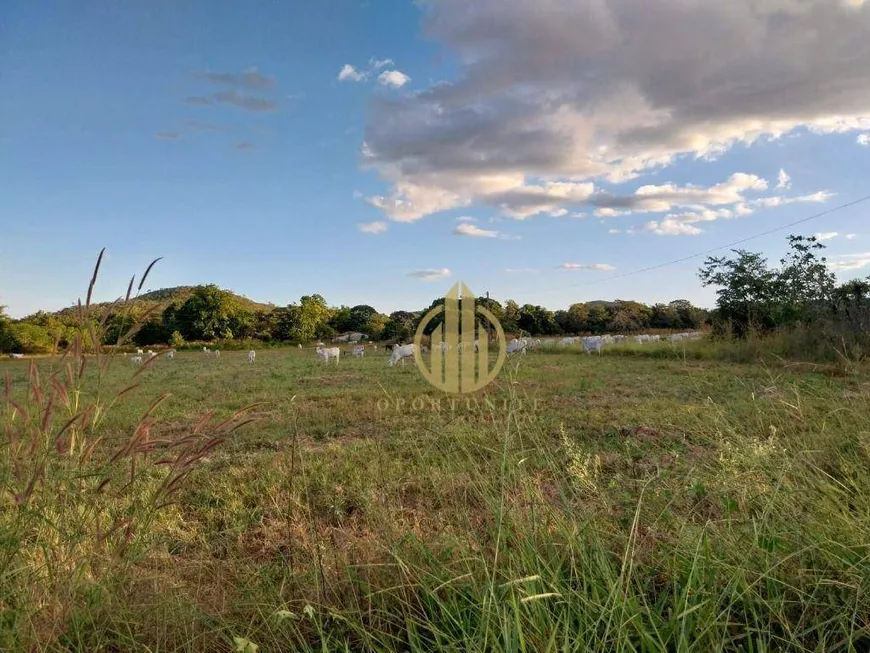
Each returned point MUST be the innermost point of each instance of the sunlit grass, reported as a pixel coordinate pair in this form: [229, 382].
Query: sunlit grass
[649, 500]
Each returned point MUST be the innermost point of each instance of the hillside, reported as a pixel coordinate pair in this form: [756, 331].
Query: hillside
[177, 295]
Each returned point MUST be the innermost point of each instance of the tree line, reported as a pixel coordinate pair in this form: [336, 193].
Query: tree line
[210, 314]
[752, 297]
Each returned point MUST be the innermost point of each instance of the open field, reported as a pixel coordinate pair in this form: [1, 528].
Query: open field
[663, 501]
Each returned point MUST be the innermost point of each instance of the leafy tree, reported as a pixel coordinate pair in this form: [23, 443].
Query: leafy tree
[209, 313]
[376, 325]
[7, 338]
[304, 321]
[510, 320]
[359, 318]
[537, 320]
[804, 282]
[176, 340]
[152, 332]
[746, 292]
[31, 338]
[400, 327]
[752, 296]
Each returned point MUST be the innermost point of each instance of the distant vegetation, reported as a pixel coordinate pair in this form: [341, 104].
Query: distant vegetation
[801, 296]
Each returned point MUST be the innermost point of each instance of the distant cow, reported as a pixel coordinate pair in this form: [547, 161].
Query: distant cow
[251, 356]
[401, 352]
[359, 351]
[330, 352]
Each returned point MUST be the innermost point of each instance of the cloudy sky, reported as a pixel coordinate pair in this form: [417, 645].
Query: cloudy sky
[378, 152]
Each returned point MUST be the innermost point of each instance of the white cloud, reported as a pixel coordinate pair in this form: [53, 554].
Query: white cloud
[850, 262]
[614, 231]
[769, 202]
[609, 213]
[374, 64]
[559, 213]
[671, 227]
[372, 227]
[349, 73]
[851, 236]
[394, 78]
[520, 270]
[783, 181]
[430, 275]
[556, 91]
[827, 235]
[864, 139]
[585, 266]
[466, 229]
[466, 218]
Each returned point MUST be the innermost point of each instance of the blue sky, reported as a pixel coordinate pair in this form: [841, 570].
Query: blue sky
[224, 138]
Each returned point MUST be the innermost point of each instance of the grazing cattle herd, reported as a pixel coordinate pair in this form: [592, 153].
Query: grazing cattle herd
[400, 352]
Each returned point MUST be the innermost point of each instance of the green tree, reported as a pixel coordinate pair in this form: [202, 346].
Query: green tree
[7, 337]
[359, 318]
[176, 341]
[304, 321]
[376, 325]
[209, 313]
[400, 327]
[31, 338]
[510, 320]
[747, 290]
[804, 283]
[537, 320]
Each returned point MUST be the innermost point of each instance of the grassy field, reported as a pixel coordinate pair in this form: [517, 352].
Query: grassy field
[657, 500]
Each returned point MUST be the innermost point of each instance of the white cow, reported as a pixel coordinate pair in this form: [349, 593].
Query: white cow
[444, 347]
[326, 354]
[217, 353]
[516, 345]
[358, 351]
[592, 342]
[251, 356]
[136, 360]
[140, 352]
[568, 341]
[299, 345]
[16, 355]
[401, 352]
[170, 354]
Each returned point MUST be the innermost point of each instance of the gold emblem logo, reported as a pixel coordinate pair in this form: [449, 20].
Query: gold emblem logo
[459, 359]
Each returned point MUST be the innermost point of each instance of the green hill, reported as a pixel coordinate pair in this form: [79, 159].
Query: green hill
[177, 295]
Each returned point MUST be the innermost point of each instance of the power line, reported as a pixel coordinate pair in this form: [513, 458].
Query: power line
[714, 249]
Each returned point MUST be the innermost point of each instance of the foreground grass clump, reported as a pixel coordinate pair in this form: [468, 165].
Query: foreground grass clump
[604, 503]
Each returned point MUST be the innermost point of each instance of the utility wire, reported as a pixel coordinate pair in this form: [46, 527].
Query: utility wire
[714, 249]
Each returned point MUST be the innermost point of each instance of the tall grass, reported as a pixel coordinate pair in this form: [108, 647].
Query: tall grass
[635, 507]
[79, 505]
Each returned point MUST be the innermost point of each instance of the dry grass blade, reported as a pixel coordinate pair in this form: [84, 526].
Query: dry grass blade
[8, 384]
[47, 413]
[21, 499]
[94, 278]
[144, 366]
[147, 271]
[129, 388]
[238, 414]
[203, 421]
[129, 289]
[154, 405]
[66, 426]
